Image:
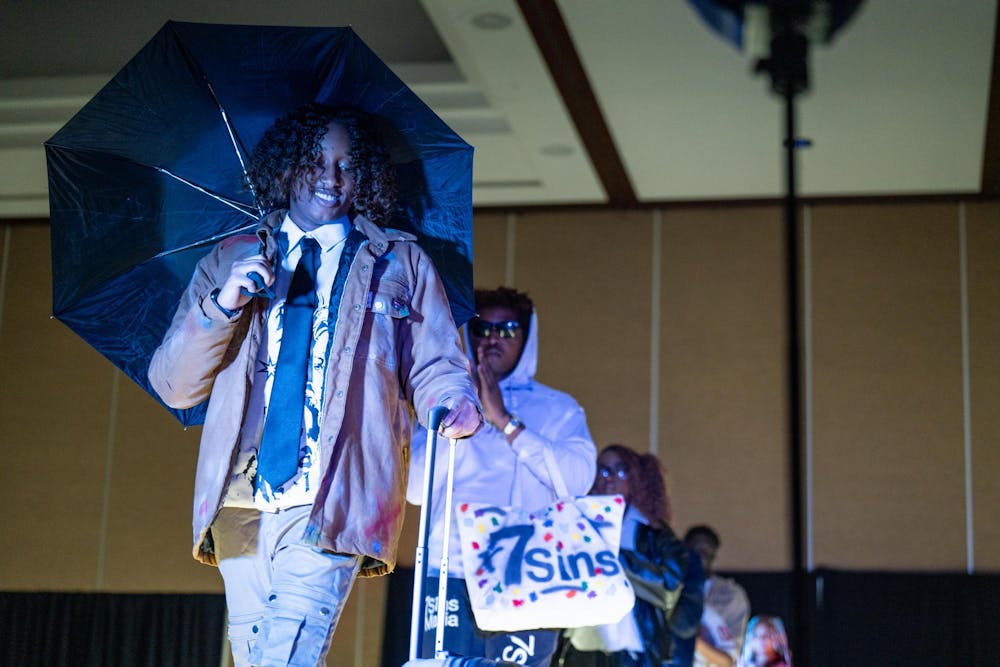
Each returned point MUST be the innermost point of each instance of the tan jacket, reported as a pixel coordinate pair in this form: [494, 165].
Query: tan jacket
[395, 345]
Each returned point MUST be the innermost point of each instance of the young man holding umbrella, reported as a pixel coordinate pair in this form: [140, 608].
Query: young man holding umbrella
[302, 468]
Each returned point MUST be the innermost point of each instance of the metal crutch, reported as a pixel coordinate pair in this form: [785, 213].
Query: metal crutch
[434, 418]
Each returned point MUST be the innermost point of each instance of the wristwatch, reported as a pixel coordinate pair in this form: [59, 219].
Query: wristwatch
[222, 309]
[512, 425]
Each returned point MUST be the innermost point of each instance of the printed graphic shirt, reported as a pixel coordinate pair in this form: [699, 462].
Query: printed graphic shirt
[301, 489]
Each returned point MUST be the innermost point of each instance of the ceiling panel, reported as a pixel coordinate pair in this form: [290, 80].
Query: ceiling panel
[897, 104]
[492, 46]
[688, 120]
[47, 37]
[900, 100]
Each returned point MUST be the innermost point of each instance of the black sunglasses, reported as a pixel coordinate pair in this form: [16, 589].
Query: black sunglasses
[479, 328]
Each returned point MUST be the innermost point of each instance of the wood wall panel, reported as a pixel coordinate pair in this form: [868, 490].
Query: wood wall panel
[889, 489]
[589, 276]
[54, 413]
[887, 392]
[722, 420]
[358, 639]
[983, 241]
[152, 484]
[408, 538]
[489, 249]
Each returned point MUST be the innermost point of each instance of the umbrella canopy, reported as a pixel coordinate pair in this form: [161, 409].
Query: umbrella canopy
[150, 174]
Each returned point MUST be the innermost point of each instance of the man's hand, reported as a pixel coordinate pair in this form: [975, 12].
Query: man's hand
[462, 420]
[489, 393]
[231, 296]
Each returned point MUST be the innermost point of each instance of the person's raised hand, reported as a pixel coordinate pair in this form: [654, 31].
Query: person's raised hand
[489, 392]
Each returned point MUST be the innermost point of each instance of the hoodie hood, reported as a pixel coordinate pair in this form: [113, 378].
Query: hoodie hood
[527, 365]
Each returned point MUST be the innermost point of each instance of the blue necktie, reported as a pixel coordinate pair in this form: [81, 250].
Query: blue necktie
[278, 458]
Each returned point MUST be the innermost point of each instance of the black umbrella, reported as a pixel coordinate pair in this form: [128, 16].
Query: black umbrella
[150, 174]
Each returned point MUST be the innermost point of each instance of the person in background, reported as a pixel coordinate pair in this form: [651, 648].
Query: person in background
[766, 644]
[665, 574]
[727, 608]
[312, 340]
[530, 427]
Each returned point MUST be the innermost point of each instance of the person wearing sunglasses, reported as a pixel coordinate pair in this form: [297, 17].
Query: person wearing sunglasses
[667, 576]
[505, 462]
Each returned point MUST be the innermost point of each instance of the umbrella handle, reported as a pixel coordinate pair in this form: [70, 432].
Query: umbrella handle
[262, 288]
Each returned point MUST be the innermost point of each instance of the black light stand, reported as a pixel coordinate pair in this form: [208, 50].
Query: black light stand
[789, 76]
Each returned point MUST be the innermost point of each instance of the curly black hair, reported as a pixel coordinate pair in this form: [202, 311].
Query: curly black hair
[505, 297]
[291, 149]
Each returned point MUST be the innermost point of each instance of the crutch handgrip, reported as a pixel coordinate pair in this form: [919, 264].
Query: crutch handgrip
[435, 416]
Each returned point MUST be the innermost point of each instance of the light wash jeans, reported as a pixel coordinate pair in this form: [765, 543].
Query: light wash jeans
[284, 598]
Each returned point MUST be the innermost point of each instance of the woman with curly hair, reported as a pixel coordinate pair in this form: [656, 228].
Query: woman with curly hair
[666, 577]
[313, 339]
[291, 153]
[638, 477]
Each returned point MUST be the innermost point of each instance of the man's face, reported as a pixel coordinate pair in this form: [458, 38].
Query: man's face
[499, 353]
[327, 195]
[702, 546]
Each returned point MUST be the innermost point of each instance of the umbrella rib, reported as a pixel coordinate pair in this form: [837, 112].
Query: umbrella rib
[242, 208]
[237, 146]
[228, 202]
[209, 241]
[233, 137]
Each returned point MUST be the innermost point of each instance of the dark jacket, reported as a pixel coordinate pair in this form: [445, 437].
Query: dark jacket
[668, 603]
[685, 621]
[668, 581]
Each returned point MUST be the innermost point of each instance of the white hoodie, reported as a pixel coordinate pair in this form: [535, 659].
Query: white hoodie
[488, 469]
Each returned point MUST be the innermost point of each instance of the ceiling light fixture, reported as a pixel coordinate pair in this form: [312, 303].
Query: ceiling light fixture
[556, 150]
[491, 21]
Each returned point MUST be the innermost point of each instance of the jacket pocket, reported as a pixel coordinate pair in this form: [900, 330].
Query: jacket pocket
[388, 307]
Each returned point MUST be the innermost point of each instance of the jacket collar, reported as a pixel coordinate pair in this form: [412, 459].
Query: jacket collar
[380, 239]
